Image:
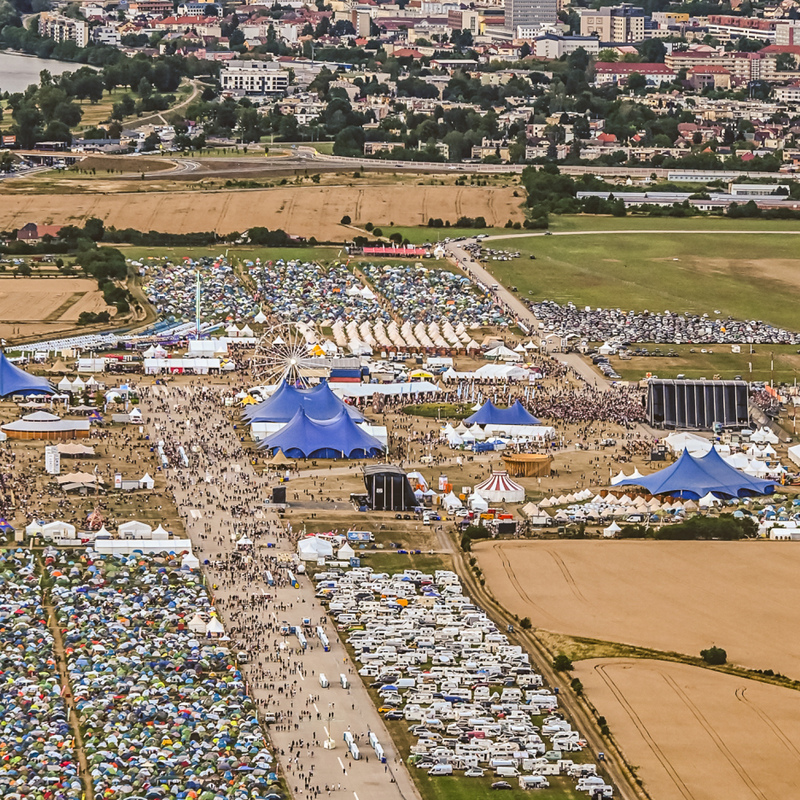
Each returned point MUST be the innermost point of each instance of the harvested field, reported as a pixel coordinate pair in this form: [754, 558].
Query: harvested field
[302, 210]
[669, 596]
[33, 306]
[695, 734]
[91, 301]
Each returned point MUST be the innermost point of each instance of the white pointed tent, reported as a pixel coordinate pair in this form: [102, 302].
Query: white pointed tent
[611, 531]
[190, 561]
[452, 502]
[215, 629]
[346, 552]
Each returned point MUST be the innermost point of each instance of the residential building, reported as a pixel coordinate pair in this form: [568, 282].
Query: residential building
[530, 13]
[32, 232]
[198, 9]
[253, 79]
[727, 28]
[787, 31]
[155, 7]
[618, 73]
[623, 23]
[64, 29]
[371, 148]
[106, 34]
[788, 94]
[714, 77]
[553, 47]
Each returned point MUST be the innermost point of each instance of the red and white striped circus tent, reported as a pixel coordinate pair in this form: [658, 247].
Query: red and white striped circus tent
[499, 488]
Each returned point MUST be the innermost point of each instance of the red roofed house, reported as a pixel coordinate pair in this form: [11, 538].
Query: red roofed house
[713, 76]
[612, 72]
[35, 233]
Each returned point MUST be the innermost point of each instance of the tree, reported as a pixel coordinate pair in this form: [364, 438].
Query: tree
[653, 51]
[608, 55]
[346, 219]
[636, 81]
[784, 62]
[562, 663]
[714, 656]
[94, 229]
[525, 623]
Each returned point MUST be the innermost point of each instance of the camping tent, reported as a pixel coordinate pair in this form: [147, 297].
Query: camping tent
[13, 380]
[695, 476]
[490, 414]
[499, 488]
[338, 437]
[611, 531]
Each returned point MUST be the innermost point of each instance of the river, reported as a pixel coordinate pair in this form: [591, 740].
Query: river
[17, 71]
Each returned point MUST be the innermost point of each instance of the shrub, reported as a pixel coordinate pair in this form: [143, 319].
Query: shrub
[525, 622]
[562, 663]
[714, 655]
[346, 220]
[369, 226]
[577, 686]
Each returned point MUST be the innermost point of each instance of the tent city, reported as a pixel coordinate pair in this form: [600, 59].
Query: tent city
[384, 527]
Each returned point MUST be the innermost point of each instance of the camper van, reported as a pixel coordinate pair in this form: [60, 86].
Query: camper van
[441, 769]
[323, 681]
[533, 782]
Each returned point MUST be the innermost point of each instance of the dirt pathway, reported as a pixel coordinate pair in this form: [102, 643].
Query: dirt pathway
[84, 770]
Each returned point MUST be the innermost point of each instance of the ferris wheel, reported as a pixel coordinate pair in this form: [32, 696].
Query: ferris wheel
[279, 354]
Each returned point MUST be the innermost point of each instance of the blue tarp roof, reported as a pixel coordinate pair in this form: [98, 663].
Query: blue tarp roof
[490, 414]
[694, 477]
[340, 437]
[14, 380]
[319, 403]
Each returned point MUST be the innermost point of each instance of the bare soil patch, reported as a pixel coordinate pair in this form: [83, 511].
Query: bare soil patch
[669, 596]
[302, 210]
[695, 734]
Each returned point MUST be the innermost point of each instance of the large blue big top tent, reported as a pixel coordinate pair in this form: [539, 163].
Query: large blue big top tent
[490, 414]
[319, 403]
[14, 380]
[339, 437]
[693, 477]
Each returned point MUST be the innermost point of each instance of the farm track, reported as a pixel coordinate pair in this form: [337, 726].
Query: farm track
[716, 738]
[785, 740]
[601, 670]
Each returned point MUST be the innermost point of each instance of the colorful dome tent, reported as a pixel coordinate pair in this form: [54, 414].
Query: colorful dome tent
[318, 403]
[693, 477]
[499, 488]
[339, 437]
[14, 380]
[490, 414]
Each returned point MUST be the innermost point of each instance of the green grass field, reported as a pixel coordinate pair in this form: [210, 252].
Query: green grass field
[747, 276]
[586, 222]
[769, 362]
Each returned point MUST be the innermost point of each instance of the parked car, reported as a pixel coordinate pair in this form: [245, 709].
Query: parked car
[501, 785]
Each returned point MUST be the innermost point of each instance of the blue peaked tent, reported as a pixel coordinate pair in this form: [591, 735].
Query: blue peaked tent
[318, 403]
[339, 437]
[14, 380]
[490, 414]
[692, 478]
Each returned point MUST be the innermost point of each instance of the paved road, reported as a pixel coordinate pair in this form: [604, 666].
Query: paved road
[219, 500]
